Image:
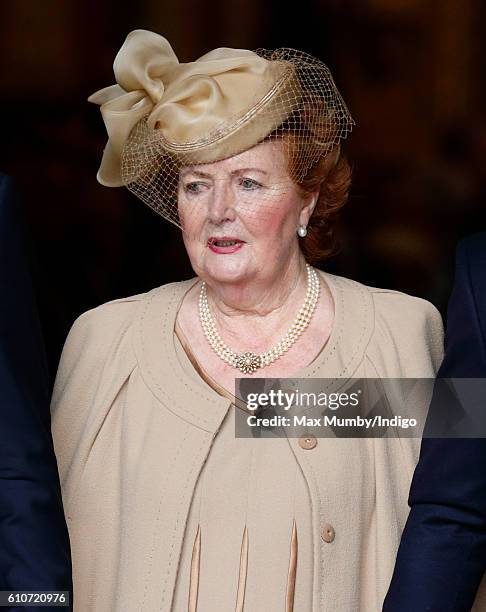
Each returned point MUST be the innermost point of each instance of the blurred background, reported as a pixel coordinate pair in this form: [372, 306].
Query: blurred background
[411, 72]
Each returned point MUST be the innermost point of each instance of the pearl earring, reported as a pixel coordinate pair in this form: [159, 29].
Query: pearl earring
[302, 230]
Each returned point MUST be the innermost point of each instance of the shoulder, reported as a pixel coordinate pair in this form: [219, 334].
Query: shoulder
[402, 309]
[120, 312]
[471, 262]
[104, 326]
[396, 307]
[407, 329]
[414, 323]
[474, 245]
[97, 327]
[411, 327]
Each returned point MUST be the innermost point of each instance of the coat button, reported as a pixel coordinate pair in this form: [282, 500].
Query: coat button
[327, 533]
[308, 442]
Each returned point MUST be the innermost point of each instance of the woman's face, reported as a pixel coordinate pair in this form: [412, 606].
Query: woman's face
[249, 198]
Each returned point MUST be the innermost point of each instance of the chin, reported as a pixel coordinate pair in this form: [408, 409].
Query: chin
[222, 269]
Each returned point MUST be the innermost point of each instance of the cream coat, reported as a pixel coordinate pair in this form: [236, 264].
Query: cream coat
[133, 431]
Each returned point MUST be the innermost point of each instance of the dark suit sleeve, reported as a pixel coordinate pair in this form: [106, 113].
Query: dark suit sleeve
[34, 543]
[442, 554]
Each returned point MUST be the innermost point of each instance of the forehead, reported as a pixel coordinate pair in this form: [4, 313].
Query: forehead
[267, 157]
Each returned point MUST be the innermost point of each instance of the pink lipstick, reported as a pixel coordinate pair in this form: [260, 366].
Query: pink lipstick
[225, 244]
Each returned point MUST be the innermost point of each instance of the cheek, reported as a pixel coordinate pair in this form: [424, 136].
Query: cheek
[191, 237]
[276, 218]
[183, 210]
[191, 219]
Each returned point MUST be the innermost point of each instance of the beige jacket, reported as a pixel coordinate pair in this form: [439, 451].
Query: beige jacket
[135, 429]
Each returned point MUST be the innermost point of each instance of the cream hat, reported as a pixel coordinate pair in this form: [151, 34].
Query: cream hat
[163, 115]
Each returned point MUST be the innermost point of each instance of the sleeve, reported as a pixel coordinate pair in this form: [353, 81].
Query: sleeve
[96, 360]
[442, 554]
[34, 543]
[409, 336]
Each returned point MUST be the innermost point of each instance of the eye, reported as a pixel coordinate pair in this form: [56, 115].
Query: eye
[195, 187]
[249, 184]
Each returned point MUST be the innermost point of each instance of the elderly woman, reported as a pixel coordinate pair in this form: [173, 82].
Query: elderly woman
[166, 508]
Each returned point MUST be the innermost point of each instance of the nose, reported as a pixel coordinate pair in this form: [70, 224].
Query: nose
[221, 206]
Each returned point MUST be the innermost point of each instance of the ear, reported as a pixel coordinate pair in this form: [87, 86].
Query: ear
[309, 203]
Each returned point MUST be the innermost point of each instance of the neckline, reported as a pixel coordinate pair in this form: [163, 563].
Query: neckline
[207, 379]
[199, 403]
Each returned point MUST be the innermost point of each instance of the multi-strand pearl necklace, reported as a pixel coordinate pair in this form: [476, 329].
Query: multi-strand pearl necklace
[248, 362]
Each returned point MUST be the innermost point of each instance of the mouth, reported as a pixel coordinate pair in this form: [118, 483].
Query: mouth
[225, 244]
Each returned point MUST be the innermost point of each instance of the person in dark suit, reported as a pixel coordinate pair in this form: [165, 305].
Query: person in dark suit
[34, 544]
[442, 555]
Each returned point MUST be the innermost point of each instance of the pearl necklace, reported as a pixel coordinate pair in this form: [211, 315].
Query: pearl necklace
[248, 362]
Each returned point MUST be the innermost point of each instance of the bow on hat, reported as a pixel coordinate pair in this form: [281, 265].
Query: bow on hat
[186, 102]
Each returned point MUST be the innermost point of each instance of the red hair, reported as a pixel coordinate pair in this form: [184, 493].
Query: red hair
[332, 177]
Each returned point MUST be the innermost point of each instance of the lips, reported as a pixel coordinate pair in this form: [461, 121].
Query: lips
[225, 245]
[224, 241]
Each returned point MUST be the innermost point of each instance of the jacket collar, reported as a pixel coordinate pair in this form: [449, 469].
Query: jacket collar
[202, 406]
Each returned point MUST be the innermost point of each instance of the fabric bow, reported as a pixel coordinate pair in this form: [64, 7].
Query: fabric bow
[185, 101]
